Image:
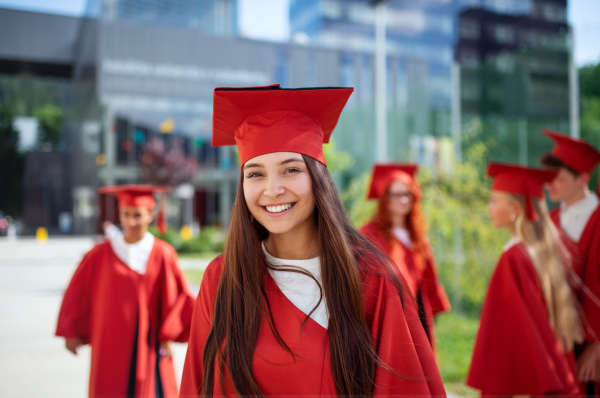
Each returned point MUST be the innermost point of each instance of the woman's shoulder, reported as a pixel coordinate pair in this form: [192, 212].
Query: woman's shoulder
[379, 278]
[214, 269]
[515, 261]
[514, 254]
[370, 228]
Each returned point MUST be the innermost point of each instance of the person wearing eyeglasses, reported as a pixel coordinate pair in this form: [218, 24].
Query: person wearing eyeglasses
[399, 230]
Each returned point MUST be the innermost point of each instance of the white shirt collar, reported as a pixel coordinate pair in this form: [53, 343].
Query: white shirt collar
[574, 217]
[511, 242]
[300, 289]
[134, 255]
[403, 236]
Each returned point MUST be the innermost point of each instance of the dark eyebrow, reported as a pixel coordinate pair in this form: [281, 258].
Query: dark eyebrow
[251, 165]
[291, 160]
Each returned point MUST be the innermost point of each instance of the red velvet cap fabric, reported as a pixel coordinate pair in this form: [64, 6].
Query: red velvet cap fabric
[385, 173]
[575, 153]
[261, 120]
[134, 195]
[520, 180]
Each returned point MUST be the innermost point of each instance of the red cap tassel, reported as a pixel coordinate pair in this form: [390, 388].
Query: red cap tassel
[529, 212]
[161, 221]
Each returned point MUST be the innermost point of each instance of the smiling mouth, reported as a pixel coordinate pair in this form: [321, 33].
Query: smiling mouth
[278, 208]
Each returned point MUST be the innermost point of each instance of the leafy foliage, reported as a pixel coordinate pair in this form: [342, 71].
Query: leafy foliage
[465, 242]
[210, 240]
[50, 118]
[171, 167]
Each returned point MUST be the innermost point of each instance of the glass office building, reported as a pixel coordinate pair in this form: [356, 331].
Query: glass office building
[212, 17]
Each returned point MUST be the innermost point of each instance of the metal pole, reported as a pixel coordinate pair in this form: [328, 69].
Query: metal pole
[456, 109]
[573, 87]
[380, 81]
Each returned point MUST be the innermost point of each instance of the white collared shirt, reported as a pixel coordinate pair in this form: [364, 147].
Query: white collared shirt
[511, 242]
[574, 218]
[134, 255]
[403, 236]
[300, 289]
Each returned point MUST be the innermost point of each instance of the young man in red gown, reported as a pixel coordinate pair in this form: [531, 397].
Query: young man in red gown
[128, 299]
[578, 216]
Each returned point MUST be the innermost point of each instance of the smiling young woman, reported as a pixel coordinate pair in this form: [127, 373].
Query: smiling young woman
[300, 303]
[399, 230]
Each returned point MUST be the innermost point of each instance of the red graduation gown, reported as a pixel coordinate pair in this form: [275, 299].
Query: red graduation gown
[121, 313]
[400, 343]
[586, 255]
[422, 281]
[516, 350]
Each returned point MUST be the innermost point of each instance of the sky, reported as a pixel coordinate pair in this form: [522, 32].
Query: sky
[268, 20]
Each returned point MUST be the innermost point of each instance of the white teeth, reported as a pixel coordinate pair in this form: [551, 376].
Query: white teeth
[279, 208]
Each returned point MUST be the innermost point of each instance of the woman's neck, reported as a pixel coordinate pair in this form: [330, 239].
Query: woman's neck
[294, 245]
[398, 221]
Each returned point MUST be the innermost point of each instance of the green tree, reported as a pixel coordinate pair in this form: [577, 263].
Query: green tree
[11, 165]
[50, 118]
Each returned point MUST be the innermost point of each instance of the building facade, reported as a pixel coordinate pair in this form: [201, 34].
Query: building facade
[121, 80]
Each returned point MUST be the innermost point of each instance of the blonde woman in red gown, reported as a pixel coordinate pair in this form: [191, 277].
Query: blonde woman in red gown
[529, 322]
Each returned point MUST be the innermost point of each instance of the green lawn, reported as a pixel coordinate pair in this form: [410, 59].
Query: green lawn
[203, 255]
[194, 275]
[456, 336]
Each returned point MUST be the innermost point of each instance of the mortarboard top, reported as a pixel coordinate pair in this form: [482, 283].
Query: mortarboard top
[261, 120]
[520, 180]
[575, 153]
[385, 173]
[134, 195]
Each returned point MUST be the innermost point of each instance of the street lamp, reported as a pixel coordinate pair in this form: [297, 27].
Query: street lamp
[380, 80]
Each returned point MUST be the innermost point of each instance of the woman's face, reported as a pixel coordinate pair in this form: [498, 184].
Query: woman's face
[504, 210]
[278, 192]
[400, 199]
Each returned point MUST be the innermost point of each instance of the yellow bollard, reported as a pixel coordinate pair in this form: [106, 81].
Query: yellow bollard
[186, 233]
[41, 234]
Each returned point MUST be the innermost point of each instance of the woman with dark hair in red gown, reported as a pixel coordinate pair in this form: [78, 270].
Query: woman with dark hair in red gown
[300, 303]
[399, 230]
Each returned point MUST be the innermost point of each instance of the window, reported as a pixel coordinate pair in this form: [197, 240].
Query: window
[469, 29]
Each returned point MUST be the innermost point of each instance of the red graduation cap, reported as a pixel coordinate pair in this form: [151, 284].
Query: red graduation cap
[385, 173]
[268, 119]
[520, 180]
[139, 196]
[575, 153]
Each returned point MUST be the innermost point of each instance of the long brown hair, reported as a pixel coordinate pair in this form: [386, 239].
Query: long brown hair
[236, 320]
[553, 265]
[414, 222]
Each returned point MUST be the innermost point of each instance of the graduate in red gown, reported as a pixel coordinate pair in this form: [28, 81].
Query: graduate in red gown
[529, 321]
[399, 230]
[578, 216]
[128, 299]
[300, 303]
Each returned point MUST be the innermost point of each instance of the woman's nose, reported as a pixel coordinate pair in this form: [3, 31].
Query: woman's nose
[273, 187]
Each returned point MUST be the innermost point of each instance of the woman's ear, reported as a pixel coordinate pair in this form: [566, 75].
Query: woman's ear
[516, 208]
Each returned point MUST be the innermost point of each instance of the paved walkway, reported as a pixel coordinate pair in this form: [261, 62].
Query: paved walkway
[33, 277]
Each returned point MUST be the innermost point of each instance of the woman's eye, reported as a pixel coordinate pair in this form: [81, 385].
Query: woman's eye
[253, 175]
[292, 170]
